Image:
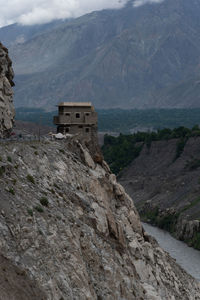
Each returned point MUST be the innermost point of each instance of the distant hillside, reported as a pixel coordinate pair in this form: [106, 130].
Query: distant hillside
[164, 180]
[16, 34]
[130, 58]
[120, 151]
[122, 121]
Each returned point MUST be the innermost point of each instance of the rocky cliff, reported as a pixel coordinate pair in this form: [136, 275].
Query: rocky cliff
[6, 94]
[165, 185]
[69, 231]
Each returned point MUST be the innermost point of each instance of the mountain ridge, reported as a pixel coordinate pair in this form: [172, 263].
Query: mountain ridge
[128, 58]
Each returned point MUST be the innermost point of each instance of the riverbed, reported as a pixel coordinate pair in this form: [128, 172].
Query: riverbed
[187, 257]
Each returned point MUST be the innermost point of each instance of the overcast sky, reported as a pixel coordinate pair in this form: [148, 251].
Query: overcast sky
[30, 12]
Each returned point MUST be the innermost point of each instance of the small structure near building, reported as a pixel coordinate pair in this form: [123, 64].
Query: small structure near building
[76, 118]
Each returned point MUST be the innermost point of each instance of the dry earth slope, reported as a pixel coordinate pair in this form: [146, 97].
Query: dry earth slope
[68, 226]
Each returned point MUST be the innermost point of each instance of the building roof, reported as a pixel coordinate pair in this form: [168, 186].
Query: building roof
[75, 104]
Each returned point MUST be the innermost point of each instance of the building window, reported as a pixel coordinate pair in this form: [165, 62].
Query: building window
[67, 129]
[78, 115]
[67, 114]
[80, 126]
[87, 114]
[87, 129]
[61, 110]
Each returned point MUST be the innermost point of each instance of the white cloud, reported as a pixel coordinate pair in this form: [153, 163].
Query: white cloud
[142, 2]
[42, 11]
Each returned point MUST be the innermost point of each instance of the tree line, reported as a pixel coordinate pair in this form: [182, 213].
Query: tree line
[120, 151]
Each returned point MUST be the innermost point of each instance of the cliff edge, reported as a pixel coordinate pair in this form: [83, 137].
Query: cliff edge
[72, 230]
[6, 94]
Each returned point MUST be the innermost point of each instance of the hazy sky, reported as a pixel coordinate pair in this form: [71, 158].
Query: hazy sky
[42, 11]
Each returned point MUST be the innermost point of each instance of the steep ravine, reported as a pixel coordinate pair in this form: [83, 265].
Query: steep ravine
[70, 228]
[166, 188]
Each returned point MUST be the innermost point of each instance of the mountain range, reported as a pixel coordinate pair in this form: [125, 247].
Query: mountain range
[134, 57]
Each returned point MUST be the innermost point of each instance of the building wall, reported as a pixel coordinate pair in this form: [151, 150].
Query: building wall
[64, 109]
[76, 117]
[77, 129]
[77, 120]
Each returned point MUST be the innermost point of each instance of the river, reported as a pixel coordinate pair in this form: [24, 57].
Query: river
[187, 257]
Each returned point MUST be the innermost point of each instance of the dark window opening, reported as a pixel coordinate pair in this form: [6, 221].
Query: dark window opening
[61, 110]
[78, 115]
[60, 129]
[67, 114]
[87, 114]
[80, 126]
[87, 129]
[67, 129]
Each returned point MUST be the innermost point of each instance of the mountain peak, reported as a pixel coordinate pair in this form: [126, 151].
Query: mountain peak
[127, 58]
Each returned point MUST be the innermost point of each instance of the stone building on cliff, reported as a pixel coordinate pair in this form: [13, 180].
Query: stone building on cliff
[76, 118]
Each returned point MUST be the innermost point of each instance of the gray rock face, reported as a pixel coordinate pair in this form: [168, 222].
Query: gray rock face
[71, 227]
[6, 94]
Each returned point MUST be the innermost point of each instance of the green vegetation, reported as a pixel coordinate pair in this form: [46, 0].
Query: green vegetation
[39, 208]
[167, 222]
[56, 186]
[11, 190]
[30, 211]
[192, 204]
[30, 178]
[44, 201]
[9, 159]
[62, 151]
[195, 241]
[35, 115]
[40, 232]
[119, 120]
[122, 150]
[150, 215]
[180, 147]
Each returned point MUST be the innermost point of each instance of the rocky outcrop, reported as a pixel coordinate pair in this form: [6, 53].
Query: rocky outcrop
[68, 225]
[6, 94]
[165, 186]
